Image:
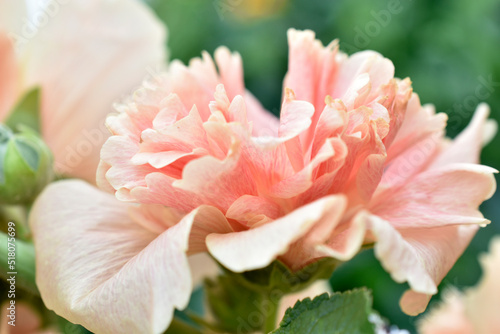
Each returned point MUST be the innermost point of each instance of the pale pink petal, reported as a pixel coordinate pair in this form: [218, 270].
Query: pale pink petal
[93, 260]
[437, 251]
[310, 63]
[447, 318]
[202, 266]
[419, 123]
[413, 160]
[218, 182]
[399, 257]
[86, 57]
[9, 78]
[159, 190]
[303, 179]
[295, 119]
[482, 302]
[466, 147]
[425, 201]
[311, 246]
[346, 240]
[295, 116]
[265, 124]
[258, 247]
[331, 123]
[366, 65]
[246, 207]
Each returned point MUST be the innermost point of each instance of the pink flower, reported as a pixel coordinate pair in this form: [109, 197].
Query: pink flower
[84, 55]
[474, 311]
[354, 159]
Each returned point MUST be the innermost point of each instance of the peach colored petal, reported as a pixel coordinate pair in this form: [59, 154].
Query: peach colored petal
[399, 257]
[81, 78]
[437, 252]
[449, 318]
[466, 147]
[476, 309]
[258, 247]
[482, 302]
[231, 71]
[218, 182]
[419, 123]
[93, 257]
[346, 240]
[9, 78]
[311, 67]
[303, 179]
[425, 201]
[159, 190]
[246, 207]
[202, 266]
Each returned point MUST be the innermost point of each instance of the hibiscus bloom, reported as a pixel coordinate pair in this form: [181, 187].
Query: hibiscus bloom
[353, 160]
[474, 311]
[84, 55]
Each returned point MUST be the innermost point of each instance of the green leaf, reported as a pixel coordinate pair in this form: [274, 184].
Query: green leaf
[26, 112]
[340, 313]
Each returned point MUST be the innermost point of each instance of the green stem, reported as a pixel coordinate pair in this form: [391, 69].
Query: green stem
[270, 317]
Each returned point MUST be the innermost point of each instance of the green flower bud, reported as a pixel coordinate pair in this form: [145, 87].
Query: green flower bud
[25, 165]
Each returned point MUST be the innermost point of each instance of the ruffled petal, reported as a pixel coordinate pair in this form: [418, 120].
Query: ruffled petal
[449, 317]
[466, 147]
[258, 247]
[425, 201]
[86, 57]
[93, 260]
[421, 257]
[482, 302]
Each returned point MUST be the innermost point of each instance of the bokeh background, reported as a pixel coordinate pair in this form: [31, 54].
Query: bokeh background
[449, 48]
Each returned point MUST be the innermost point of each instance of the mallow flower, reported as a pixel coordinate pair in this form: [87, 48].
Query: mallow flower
[83, 55]
[195, 165]
[474, 310]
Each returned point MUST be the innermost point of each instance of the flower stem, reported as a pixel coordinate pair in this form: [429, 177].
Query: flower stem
[271, 317]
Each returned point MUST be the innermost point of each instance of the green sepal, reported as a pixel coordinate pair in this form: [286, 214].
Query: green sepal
[27, 112]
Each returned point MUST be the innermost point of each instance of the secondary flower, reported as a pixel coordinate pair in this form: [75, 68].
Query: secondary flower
[354, 159]
[474, 311]
[84, 55]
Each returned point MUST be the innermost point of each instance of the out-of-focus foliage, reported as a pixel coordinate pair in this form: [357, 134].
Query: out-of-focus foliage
[449, 48]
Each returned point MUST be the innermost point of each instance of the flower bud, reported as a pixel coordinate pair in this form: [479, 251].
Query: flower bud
[25, 165]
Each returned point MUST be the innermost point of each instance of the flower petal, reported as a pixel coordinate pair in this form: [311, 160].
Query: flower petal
[86, 57]
[482, 302]
[258, 247]
[449, 317]
[92, 258]
[425, 201]
[466, 147]
[9, 78]
[421, 257]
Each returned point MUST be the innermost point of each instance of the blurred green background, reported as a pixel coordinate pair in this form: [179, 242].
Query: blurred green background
[449, 48]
